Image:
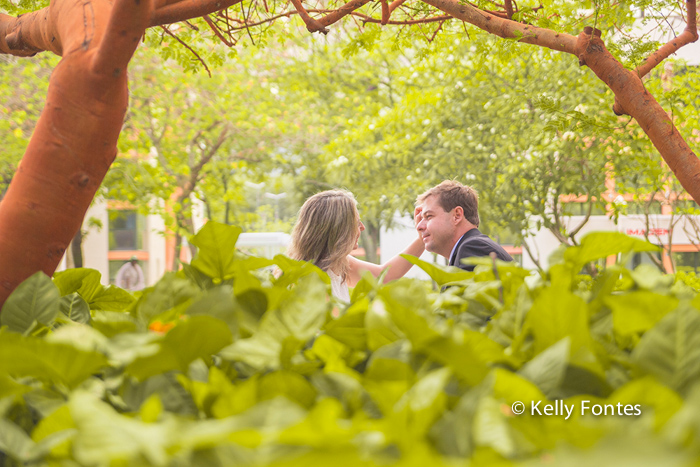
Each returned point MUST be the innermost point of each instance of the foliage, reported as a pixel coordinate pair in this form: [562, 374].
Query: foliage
[23, 84]
[225, 362]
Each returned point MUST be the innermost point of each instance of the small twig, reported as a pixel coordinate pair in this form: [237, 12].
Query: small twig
[167, 31]
[368, 19]
[216, 31]
[245, 17]
[509, 9]
[436, 32]
[312, 25]
[395, 4]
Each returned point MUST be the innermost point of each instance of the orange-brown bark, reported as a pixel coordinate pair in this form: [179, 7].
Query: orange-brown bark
[75, 140]
[506, 28]
[29, 34]
[688, 36]
[638, 103]
[180, 10]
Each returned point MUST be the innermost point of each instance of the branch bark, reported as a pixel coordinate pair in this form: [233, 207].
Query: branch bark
[642, 106]
[688, 36]
[506, 28]
[75, 140]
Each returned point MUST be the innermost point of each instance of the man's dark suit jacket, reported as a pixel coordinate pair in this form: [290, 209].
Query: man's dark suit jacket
[474, 243]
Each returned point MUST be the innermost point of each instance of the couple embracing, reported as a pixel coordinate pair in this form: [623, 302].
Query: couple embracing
[447, 221]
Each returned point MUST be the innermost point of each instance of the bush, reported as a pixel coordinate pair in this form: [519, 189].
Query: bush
[224, 363]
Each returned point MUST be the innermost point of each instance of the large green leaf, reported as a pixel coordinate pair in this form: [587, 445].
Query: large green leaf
[35, 300]
[548, 368]
[82, 280]
[111, 299]
[86, 282]
[197, 337]
[217, 246]
[671, 349]
[46, 361]
[556, 314]
[75, 308]
[301, 315]
[597, 245]
[18, 445]
[638, 311]
[440, 274]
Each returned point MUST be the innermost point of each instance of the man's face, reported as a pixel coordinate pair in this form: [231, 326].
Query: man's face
[436, 227]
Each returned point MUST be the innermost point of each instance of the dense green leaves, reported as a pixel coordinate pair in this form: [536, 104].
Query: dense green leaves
[237, 364]
[32, 303]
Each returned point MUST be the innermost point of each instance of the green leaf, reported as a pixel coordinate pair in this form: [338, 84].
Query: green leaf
[440, 274]
[301, 315]
[217, 246]
[8, 387]
[198, 337]
[111, 299]
[671, 349]
[548, 368]
[35, 300]
[82, 280]
[349, 329]
[75, 308]
[289, 384]
[105, 435]
[556, 314]
[638, 311]
[50, 362]
[111, 323]
[597, 245]
[14, 441]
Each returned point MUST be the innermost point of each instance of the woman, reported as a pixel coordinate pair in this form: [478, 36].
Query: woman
[328, 229]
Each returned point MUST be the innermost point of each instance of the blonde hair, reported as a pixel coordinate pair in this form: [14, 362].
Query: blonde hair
[326, 231]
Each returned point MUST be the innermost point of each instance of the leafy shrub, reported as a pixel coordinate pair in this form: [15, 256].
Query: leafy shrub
[225, 363]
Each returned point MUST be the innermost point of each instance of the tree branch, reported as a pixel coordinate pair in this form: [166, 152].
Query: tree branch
[216, 31]
[395, 4]
[168, 32]
[196, 170]
[29, 34]
[311, 24]
[509, 9]
[188, 9]
[506, 28]
[435, 19]
[341, 12]
[127, 22]
[688, 36]
[640, 105]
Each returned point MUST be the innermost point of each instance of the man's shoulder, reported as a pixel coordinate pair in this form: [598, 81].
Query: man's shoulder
[480, 245]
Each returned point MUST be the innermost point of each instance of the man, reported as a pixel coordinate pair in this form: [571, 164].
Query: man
[130, 276]
[448, 216]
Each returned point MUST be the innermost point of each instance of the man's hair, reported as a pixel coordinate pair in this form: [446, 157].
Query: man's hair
[451, 194]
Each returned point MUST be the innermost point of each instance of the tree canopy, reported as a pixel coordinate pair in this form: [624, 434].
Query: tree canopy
[75, 140]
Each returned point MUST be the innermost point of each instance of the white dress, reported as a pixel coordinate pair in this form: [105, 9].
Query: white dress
[339, 287]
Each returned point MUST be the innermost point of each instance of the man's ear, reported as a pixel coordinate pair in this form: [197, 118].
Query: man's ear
[459, 214]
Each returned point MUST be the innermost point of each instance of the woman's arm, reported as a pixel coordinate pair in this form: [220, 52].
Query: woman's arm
[397, 265]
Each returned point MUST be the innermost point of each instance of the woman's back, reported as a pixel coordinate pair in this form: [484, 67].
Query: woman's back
[339, 287]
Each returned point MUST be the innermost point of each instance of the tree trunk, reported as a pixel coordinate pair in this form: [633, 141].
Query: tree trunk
[75, 139]
[370, 242]
[76, 248]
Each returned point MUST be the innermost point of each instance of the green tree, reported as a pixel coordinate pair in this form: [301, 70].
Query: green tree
[76, 137]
